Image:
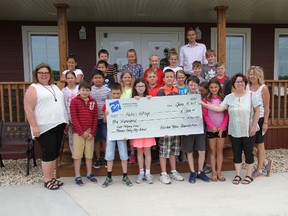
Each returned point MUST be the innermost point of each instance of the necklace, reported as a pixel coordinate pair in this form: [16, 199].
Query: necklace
[52, 92]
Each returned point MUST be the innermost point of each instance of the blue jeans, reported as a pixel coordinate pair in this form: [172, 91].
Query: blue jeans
[110, 149]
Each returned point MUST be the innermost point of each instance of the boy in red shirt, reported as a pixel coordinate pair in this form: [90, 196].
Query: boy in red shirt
[84, 117]
[222, 78]
[152, 79]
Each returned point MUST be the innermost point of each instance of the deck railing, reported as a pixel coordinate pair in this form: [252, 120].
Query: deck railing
[12, 94]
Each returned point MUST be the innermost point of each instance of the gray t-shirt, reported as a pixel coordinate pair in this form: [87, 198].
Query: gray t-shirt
[208, 72]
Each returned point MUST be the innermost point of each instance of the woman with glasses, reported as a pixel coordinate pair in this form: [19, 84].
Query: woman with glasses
[244, 110]
[255, 75]
[45, 111]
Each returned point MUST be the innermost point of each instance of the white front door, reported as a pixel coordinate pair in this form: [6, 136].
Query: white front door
[146, 41]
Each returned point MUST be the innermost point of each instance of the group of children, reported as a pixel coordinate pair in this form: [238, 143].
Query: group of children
[85, 105]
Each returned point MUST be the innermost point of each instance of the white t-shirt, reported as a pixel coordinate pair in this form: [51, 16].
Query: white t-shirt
[69, 94]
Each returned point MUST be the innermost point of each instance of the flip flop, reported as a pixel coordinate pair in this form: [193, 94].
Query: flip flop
[237, 179]
[214, 178]
[247, 180]
[221, 178]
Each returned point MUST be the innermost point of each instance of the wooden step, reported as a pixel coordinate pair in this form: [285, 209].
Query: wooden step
[65, 169]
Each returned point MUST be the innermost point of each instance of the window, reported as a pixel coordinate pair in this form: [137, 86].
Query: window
[281, 53]
[238, 46]
[40, 44]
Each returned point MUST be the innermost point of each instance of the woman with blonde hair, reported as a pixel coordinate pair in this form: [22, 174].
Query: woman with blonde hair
[255, 75]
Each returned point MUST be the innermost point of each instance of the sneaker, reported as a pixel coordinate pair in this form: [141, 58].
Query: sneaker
[105, 163]
[269, 167]
[257, 174]
[149, 178]
[97, 164]
[203, 176]
[140, 178]
[165, 179]
[108, 181]
[127, 181]
[132, 159]
[207, 169]
[79, 181]
[176, 176]
[92, 178]
[192, 177]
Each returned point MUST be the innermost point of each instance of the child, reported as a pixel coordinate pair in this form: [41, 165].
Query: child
[181, 77]
[195, 141]
[169, 145]
[84, 115]
[152, 86]
[132, 66]
[209, 70]
[222, 78]
[115, 93]
[154, 62]
[108, 79]
[100, 93]
[70, 92]
[197, 69]
[216, 128]
[126, 81]
[143, 145]
[111, 70]
[173, 63]
[203, 89]
[72, 66]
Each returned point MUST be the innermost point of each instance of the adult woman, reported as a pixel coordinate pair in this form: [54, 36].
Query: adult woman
[46, 114]
[244, 110]
[255, 75]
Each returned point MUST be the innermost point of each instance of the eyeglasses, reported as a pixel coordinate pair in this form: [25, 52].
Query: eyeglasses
[142, 86]
[43, 73]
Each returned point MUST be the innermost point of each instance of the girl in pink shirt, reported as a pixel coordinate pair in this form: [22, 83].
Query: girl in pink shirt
[216, 125]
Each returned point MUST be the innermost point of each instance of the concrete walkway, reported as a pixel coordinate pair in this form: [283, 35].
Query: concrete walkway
[265, 196]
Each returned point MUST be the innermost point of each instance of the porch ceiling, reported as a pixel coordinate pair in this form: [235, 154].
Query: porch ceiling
[169, 11]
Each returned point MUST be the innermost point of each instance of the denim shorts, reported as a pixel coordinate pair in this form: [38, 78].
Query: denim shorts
[111, 147]
[101, 131]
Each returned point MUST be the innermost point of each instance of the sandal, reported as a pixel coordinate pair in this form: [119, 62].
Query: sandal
[214, 178]
[237, 179]
[221, 178]
[57, 182]
[247, 180]
[50, 185]
[79, 181]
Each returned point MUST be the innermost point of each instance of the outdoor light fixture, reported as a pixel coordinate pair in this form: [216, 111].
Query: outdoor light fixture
[198, 33]
[82, 33]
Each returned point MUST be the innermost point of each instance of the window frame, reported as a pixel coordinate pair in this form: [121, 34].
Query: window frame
[278, 32]
[27, 31]
[246, 33]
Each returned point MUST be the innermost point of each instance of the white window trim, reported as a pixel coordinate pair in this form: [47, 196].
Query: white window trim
[26, 33]
[246, 32]
[278, 32]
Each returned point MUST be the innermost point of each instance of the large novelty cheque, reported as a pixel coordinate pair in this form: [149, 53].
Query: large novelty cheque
[154, 117]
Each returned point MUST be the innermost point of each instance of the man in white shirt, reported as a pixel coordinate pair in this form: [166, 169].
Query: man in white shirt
[191, 52]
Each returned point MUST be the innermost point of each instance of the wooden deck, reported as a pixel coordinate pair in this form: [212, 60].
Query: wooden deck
[11, 109]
